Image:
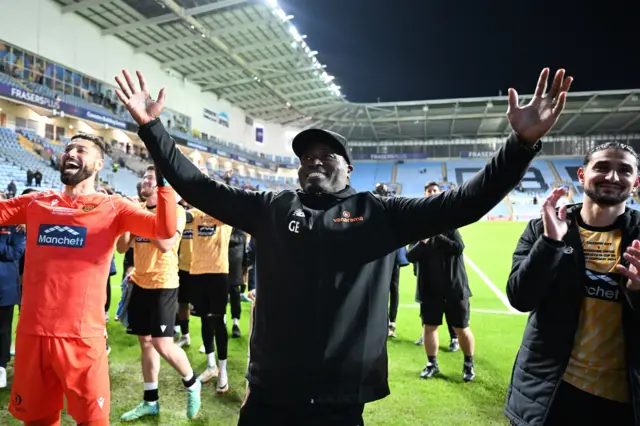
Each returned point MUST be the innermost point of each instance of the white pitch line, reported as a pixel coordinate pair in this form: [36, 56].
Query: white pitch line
[491, 285]
[482, 311]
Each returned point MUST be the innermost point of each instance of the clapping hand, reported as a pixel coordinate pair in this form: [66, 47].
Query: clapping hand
[534, 120]
[138, 101]
[631, 255]
[555, 225]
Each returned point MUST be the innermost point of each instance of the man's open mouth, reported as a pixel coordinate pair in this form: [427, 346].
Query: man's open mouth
[71, 165]
[315, 175]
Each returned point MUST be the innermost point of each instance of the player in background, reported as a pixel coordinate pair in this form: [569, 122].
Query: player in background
[444, 290]
[209, 291]
[237, 255]
[12, 245]
[184, 266]
[152, 308]
[60, 339]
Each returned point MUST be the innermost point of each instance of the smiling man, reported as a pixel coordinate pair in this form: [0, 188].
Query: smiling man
[61, 335]
[578, 359]
[338, 248]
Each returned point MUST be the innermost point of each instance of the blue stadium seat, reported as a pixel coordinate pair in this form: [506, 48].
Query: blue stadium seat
[414, 175]
[568, 170]
[366, 174]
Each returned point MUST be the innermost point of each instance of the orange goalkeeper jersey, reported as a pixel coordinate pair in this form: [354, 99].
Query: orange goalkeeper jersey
[70, 244]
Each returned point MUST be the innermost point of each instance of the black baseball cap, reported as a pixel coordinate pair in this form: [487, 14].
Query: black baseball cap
[336, 140]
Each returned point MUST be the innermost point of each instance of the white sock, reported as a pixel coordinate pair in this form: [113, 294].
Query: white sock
[222, 374]
[187, 378]
[211, 360]
[151, 386]
[236, 321]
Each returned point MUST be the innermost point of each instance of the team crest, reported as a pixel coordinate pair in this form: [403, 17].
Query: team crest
[87, 209]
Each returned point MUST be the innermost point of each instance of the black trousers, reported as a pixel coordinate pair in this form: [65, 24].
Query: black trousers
[394, 295]
[234, 300]
[257, 412]
[108, 304]
[6, 322]
[572, 406]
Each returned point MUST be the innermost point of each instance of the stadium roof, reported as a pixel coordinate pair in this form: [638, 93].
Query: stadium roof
[246, 51]
[585, 113]
[250, 53]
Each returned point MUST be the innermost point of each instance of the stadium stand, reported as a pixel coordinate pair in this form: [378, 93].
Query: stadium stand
[568, 171]
[414, 175]
[16, 160]
[367, 174]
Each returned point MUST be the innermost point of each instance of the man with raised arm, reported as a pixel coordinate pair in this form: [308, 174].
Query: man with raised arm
[61, 335]
[338, 247]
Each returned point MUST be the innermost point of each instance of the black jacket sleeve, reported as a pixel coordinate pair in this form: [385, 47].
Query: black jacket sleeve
[420, 218]
[235, 207]
[450, 242]
[534, 268]
[415, 252]
[238, 239]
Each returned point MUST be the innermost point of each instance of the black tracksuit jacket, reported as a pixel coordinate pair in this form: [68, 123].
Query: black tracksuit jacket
[440, 267]
[338, 250]
[547, 280]
[237, 251]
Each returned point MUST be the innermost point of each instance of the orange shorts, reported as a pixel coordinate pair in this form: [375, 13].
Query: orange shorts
[46, 369]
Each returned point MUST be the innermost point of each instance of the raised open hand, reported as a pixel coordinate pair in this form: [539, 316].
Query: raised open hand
[534, 120]
[138, 101]
[631, 255]
[555, 225]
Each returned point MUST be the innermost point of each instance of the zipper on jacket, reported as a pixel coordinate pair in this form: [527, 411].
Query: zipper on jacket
[580, 276]
[316, 351]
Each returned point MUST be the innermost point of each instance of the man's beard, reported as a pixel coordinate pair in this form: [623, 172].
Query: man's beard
[147, 192]
[74, 179]
[606, 199]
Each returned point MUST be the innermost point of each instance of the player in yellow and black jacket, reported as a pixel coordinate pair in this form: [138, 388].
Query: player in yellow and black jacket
[579, 358]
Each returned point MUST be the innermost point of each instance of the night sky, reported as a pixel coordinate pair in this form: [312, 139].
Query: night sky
[439, 49]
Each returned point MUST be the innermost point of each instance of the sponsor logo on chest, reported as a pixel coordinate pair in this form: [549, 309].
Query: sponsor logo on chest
[602, 286]
[62, 236]
[346, 217]
[207, 230]
[187, 234]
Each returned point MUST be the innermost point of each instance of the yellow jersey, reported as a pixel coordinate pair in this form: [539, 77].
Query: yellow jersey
[210, 254]
[597, 364]
[152, 268]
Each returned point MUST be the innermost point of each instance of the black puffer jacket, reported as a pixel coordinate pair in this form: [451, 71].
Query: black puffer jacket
[547, 280]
